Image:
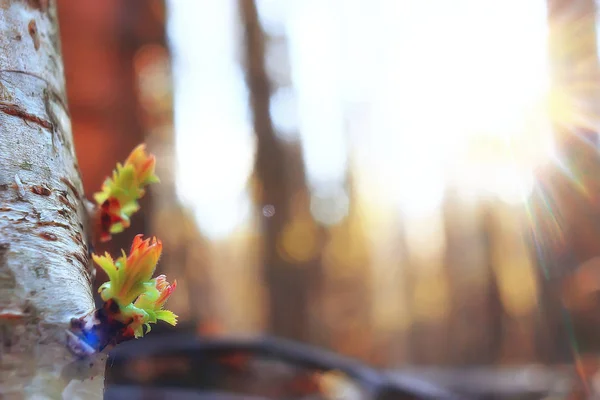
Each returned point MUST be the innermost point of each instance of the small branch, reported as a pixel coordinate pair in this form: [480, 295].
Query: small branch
[202, 351]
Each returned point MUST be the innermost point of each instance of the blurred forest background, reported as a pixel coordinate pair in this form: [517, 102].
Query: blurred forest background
[406, 182]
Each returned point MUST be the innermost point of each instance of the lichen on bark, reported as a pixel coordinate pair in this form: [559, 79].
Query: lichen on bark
[45, 269]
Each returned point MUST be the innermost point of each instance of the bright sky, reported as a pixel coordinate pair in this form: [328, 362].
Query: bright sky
[213, 130]
[420, 94]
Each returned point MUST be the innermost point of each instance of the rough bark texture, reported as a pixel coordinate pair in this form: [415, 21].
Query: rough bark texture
[45, 270]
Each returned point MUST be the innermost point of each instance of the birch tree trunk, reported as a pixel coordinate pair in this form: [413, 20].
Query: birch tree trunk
[45, 269]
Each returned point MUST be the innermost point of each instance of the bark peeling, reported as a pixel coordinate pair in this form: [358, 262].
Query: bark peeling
[45, 269]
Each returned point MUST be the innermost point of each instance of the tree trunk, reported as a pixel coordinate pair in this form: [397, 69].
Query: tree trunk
[45, 269]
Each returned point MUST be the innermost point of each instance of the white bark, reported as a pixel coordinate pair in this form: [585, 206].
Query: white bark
[45, 269]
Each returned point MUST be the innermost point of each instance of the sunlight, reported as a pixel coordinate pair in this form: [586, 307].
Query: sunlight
[423, 97]
[480, 83]
[458, 84]
[214, 138]
[313, 34]
[429, 94]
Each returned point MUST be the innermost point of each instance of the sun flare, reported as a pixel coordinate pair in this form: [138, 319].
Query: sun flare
[462, 103]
